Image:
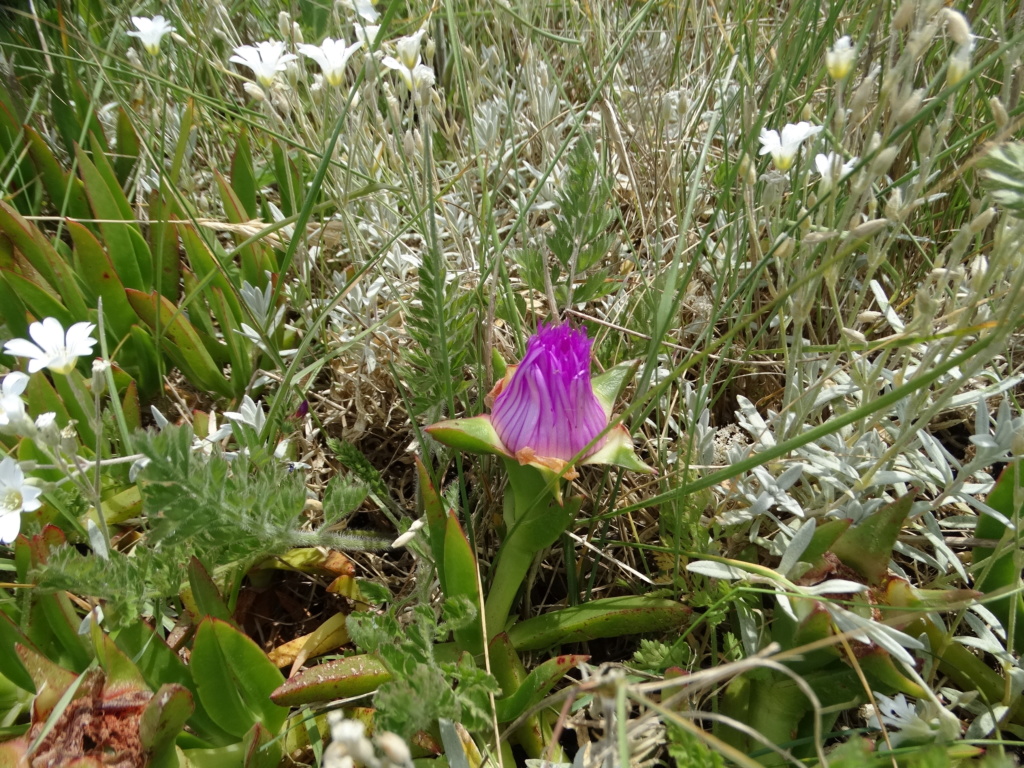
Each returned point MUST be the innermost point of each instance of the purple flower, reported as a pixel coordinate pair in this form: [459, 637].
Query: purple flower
[547, 406]
[547, 410]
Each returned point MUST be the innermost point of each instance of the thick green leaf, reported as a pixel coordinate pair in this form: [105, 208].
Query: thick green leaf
[607, 617]
[536, 686]
[460, 570]
[164, 716]
[243, 174]
[262, 748]
[867, 547]
[10, 661]
[43, 257]
[341, 679]
[59, 184]
[254, 257]
[40, 300]
[181, 342]
[127, 147]
[437, 521]
[204, 597]
[100, 276]
[163, 244]
[160, 666]
[235, 679]
[114, 222]
[211, 270]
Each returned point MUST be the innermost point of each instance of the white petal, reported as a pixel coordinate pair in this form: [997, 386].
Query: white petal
[10, 526]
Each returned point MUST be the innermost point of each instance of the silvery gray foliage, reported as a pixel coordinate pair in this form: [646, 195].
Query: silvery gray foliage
[854, 471]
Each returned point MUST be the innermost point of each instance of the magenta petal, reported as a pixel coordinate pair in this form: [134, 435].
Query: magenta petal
[549, 406]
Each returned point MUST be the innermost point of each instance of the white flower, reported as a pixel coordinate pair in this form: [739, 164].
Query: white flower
[364, 9]
[925, 723]
[417, 76]
[15, 497]
[249, 413]
[784, 150]
[53, 349]
[150, 32]
[408, 536]
[408, 48]
[265, 60]
[366, 35]
[839, 58]
[12, 408]
[833, 169]
[214, 434]
[332, 56]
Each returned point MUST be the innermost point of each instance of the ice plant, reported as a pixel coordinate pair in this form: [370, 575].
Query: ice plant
[547, 410]
[332, 56]
[265, 60]
[839, 58]
[53, 348]
[784, 148]
[547, 407]
[547, 414]
[15, 497]
[150, 32]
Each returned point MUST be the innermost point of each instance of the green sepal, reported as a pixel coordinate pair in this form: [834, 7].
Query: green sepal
[618, 451]
[475, 435]
[610, 384]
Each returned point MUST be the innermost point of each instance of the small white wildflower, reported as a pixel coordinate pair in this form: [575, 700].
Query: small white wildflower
[332, 56]
[839, 58]
[15, 497]
[364, 9]
[833, 169]
[150, 32]
[925, 723]
[53, 348]
[265, 59]
[249, 413]
[12, 408]
[366, 35]
[408, 536]
[414, 74]
[784, 149]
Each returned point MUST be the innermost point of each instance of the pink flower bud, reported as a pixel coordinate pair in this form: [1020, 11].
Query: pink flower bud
[547, 407]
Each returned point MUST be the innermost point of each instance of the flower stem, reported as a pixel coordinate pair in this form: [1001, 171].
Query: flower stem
[534, 522]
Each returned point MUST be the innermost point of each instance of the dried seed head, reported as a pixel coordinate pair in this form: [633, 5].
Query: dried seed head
[894, 205]
[920, 39]
[884, 159]
[957, 27]
[998, 112]
[904, 14]
[862, 96]
[959, 65]
[910, 107]
[867, 229]
[925, 139]
[982, 220]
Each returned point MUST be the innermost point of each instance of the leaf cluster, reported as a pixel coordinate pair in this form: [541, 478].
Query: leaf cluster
[224, 512]
[581, 235]
[423, 688]
[440, 321]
